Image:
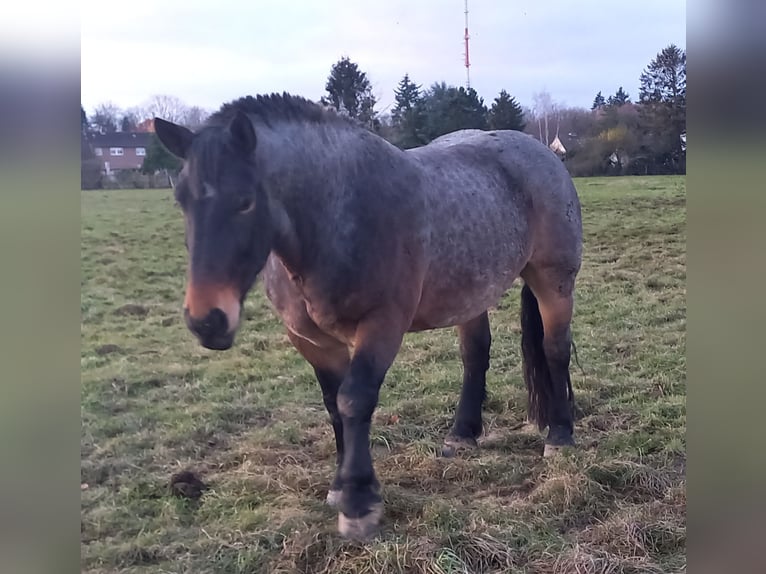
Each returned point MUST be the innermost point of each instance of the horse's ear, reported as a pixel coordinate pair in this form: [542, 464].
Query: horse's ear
[175, 138]
[242, 133]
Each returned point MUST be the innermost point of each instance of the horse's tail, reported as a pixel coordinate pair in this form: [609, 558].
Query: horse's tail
[537, 376]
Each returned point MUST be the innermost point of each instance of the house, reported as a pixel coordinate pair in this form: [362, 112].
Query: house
[120, 150]
[145, 126]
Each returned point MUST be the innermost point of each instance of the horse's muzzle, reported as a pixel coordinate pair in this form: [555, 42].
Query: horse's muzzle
[212, 331]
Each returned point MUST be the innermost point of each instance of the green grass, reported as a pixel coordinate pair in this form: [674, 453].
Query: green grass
[251, 423]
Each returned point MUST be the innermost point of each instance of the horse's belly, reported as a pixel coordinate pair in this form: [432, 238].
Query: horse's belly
[473, 261]
[452, 300]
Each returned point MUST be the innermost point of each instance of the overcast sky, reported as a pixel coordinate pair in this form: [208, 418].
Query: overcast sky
[207, 53]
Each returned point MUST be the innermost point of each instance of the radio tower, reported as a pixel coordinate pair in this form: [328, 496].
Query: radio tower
[467, 61]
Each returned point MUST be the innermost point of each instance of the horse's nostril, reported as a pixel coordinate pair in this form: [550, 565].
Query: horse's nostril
[219, 324]
[214, 325]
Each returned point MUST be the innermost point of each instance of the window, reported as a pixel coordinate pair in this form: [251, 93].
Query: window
[116, 151]
[98, 151]
[140, 151]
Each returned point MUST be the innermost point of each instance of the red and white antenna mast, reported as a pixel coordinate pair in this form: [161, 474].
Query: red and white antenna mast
[467, 60]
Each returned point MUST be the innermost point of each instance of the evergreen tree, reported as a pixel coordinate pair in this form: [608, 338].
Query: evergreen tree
[158, 158]
[407, 95]
[620, 98]
[664, 80]
[349, 91]
[90, 166]
[506, 113]
[598, 101]
[663, 110]
[447, 109]
[129, 122]
[84, 127]
[407, 115]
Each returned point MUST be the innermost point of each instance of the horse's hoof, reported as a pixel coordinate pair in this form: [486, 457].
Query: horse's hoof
[333, 497]
[456, 444]
[363, 528]
[560, 438]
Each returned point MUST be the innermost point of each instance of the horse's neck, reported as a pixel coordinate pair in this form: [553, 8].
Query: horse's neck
[296, 158]
[306, 183]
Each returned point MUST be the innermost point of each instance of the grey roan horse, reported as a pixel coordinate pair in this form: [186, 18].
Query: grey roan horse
[359, 242]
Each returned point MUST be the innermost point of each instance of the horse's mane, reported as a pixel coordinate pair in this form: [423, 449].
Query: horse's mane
[276, 107]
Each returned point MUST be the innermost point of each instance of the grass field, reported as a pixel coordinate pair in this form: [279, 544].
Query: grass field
[251, 423]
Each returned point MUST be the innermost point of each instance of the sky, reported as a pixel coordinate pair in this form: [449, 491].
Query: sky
[211, 52]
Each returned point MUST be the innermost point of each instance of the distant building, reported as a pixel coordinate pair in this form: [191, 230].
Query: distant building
[146, 126]
[120, 150]
[558, 147]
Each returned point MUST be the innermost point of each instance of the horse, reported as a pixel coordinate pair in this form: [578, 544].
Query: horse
[359, 242]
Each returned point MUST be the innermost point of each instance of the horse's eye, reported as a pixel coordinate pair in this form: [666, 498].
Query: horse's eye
[246, 205]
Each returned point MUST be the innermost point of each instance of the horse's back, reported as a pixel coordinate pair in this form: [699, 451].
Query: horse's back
[526, 160]
[536, 177]
[497, 200]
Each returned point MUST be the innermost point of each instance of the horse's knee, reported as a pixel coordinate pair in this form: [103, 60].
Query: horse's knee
[357, 401]
[557, 346]
[358, 394]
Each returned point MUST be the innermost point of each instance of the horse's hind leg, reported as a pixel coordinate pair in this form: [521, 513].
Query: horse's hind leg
[547, 300]
[475, 341]
[330, 360]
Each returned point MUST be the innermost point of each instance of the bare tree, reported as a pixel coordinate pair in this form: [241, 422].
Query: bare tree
[105, 118]
[166, 107]
[194, 117]
[543, 107]
[545, 112]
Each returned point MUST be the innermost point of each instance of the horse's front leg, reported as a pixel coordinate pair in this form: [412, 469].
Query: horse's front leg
[377, 341]
[330, 359]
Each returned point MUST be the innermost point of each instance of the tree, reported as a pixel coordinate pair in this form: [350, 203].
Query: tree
[158, 158]
[163, 106]
[129, 122]
[663, 95]
[620, 98]
[350, 92]
[664, 80]
[545, 110]
[90, 167]
[407, 117]
[407, 95]
[447, 109]
[194, 117]
[598, 101]
[105, 117]
[506, 113]
[387, 130]
[84, 125]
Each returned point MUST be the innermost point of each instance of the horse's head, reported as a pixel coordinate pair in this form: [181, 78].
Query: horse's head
[228, 228]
